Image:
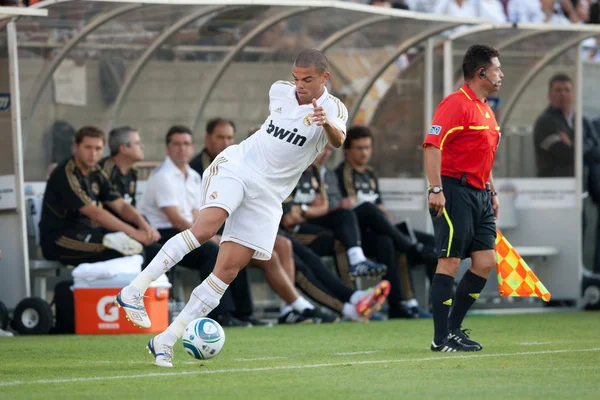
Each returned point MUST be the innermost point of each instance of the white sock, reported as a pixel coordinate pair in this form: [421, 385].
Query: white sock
[203, 300]
[349, 311]
[356, 296]
[170, 254]
[355, 255]
[411, 303]
[285, 309]
[301, 304]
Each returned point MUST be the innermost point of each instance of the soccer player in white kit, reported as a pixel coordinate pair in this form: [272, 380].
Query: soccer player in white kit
[244, 188]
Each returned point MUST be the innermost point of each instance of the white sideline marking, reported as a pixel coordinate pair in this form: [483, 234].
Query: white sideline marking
[533, 343]
[259, 358]
[449, 356]
[353, 353]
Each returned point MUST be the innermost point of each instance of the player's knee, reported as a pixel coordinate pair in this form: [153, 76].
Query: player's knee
[448, 266]
[484, 268]
[283, 245]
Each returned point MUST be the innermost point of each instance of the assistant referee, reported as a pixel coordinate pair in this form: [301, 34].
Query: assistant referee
[459, 153]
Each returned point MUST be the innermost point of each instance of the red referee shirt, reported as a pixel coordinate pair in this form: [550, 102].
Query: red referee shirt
[465, 130]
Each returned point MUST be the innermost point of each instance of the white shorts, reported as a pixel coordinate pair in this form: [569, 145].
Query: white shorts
[254, 211]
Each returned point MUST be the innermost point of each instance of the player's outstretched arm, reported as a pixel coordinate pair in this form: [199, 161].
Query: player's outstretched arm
[335, 136]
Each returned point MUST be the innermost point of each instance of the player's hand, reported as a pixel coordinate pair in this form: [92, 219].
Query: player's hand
[142, 237]
[154, 235]
[319, 116]
[216, 240]
[496, 206]
[296, 213]
[348, 203]
[565, 138]
[437, 202]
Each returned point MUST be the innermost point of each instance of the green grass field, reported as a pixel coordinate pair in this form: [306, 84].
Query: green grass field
[541, 356]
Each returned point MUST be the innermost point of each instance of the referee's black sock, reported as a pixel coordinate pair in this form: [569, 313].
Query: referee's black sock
[441, 300]
[467, 292]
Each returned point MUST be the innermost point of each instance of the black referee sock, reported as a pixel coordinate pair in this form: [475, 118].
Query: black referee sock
[441, 300]
[467, 292]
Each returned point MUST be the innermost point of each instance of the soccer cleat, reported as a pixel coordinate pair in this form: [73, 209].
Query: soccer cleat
[452, 344]
[462, 335]
[255, 321]
[163, 353]
[122, 243]
[373, 300]
[228, 321]
[294, 317]
[320, 317]
[134, 308]
[367, 268]
[400, 310]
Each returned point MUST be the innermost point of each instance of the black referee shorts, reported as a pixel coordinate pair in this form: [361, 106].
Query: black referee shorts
[467, 224]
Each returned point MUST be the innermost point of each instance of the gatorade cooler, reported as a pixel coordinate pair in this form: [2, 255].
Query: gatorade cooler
[96, 313]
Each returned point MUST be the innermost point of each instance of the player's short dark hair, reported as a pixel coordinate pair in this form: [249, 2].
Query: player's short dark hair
[310, 57]
[357, 132]
[213, 123]
[177, 129]
[89, 131]
[477, 56]
[560, 77]
[118, 137]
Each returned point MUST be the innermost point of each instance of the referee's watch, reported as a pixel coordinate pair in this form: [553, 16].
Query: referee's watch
[304, 209]
[434, 189]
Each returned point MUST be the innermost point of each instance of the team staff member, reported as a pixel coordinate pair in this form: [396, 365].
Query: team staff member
[459, 153]
[75, 226]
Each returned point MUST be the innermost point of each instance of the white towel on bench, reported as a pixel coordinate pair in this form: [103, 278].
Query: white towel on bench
[109, 269]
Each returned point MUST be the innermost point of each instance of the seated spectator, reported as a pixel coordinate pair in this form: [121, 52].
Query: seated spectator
[74, 226]
[545, 11]
[360, 188]
[306, 211]
[488, 9]
[126, 149]
[326, 288]
[173, 193]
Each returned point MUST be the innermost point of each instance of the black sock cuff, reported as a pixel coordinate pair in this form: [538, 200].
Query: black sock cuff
[443, 280]
[476, 281]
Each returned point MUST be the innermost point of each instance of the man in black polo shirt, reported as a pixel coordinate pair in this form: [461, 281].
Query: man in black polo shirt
[126, 149]
[360, 189]
[554, 133]
[306, 211]
[554, 136]
[74, 227]
[220, 134]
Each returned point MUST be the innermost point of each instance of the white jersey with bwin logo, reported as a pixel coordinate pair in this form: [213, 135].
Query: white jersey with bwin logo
[288, 141]
[251, 180]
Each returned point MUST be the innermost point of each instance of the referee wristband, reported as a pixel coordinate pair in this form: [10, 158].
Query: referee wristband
[493, 194]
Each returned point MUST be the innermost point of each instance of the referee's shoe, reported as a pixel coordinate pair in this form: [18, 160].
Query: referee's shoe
[463, 335]
[452, 344]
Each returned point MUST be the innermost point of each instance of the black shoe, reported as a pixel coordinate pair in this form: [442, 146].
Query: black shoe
[399, 310]
[367, 268]
[452, 344]
[228, 321]
[293, 317]
[255, 321]
[462, 336]
[319, 317]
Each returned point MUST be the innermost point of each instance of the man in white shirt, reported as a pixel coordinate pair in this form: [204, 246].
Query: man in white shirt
[245, 186]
